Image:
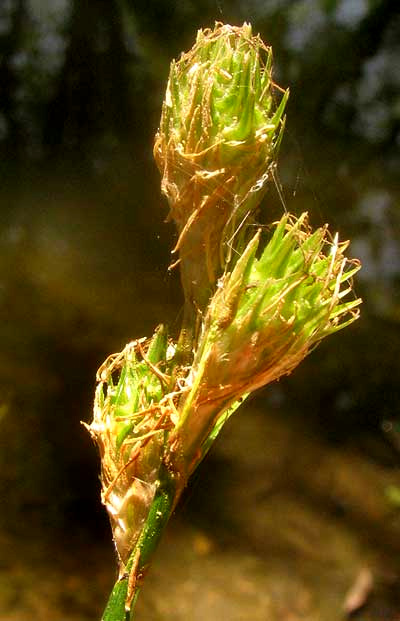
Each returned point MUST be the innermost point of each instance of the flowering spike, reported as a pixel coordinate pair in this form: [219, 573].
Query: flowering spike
[254, 308]
[128, 425]
[288, 301]
[218, 138]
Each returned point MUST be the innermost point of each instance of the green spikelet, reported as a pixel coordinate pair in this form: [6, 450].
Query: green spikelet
[219, 134]
[265, 317]
[129, 425]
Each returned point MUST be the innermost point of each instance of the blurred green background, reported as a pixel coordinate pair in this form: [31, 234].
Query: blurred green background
[300, 500]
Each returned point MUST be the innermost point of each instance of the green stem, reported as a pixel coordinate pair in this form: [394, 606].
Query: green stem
[117, 608]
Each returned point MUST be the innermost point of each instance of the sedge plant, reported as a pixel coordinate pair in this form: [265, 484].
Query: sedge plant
[257, 300]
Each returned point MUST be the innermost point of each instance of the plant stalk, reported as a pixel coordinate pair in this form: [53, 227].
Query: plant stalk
[120, 606]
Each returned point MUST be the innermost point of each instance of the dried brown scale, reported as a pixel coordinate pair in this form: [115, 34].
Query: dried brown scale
[135, 452]
[164, 379]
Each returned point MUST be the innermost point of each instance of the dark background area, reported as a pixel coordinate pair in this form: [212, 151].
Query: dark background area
[84, 251]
